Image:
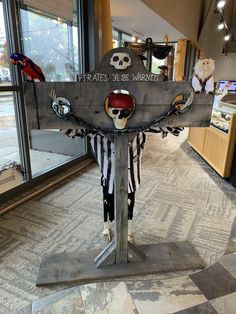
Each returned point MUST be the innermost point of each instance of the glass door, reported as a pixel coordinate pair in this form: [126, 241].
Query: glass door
[49, 36]
[10, 159]
[46, 32]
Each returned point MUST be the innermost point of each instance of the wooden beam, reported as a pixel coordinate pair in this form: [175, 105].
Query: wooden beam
[78, 267]
[179, 63]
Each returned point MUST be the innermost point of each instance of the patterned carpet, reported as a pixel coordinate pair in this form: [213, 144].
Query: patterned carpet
[181, 198]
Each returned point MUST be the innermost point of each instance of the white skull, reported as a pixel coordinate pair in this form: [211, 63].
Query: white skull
[119, 116]
[120, 60]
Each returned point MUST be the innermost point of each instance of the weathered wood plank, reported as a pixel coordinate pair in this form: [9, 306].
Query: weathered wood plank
[87, 97]
[107, 256]
[121, 198]
[153, 99]
[78, 267]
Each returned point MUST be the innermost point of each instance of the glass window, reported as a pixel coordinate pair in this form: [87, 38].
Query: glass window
[49, 36]
[11, 170]
[119, 38]
[5, 75]
[115, 38]
[125, 37]
[10, 162]
[52, 43]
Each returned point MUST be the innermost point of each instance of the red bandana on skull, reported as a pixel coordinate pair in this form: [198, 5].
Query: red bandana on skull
[119, 107]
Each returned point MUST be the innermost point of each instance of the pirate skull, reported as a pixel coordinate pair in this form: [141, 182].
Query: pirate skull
[119, 107]
[120, 60]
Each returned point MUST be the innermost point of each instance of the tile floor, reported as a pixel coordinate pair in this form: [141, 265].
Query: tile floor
[212, 290]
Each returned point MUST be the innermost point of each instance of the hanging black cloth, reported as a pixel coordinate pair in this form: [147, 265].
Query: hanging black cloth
[158, 51]
[161, 52]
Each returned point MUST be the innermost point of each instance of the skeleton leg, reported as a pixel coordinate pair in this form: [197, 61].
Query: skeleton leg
[108, 211]
[106, 234]
[130, 234]
[131, 198]
[108, 206]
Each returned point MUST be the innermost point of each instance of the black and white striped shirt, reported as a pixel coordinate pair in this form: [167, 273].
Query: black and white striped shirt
[104, 152]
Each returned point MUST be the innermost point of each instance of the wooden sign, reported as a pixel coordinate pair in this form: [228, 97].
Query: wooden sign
[153, 98]
[91, 102]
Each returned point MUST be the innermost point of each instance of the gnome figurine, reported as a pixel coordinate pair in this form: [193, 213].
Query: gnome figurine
[203, 80]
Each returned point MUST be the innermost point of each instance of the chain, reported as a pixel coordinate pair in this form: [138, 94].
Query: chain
[79, 121]
[178, 107]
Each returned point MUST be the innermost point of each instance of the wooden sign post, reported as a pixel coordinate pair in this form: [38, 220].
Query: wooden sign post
[81, 104]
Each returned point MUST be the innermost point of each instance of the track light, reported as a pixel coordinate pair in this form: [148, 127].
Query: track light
[227, 37]
[220, 4]
[221, 25]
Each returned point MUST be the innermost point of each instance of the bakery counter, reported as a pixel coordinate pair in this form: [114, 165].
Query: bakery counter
[216, 144]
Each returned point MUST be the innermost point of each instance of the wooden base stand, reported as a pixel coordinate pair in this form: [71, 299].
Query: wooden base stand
[120, 258]
[79, 267]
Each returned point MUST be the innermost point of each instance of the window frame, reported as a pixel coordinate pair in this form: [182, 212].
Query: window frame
[12, 19]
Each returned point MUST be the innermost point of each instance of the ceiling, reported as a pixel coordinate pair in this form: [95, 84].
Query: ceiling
[133, 16]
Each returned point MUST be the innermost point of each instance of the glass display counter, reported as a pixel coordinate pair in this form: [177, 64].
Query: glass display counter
[216, 144]
[221, 120]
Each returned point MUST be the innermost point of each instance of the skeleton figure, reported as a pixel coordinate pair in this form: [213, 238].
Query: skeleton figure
[104, 152]
[120, 60]
[119, 107]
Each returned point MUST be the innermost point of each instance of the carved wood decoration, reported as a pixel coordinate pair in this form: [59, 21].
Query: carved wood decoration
[151, 101]
[87, 97]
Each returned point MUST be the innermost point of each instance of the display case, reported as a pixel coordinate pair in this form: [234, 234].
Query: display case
[221, 120]
[216, 144]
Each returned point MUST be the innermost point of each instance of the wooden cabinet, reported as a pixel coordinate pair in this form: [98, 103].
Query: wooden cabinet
[196, 138]
[215, 146]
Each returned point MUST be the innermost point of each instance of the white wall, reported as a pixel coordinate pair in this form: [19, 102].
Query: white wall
[184, 15]
[211, 40]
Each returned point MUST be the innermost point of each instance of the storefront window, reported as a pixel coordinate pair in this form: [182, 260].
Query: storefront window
[49, 36]
[10, 161]
[115, 38]
[52, 43]
[125, 38]
[5, 76]
[11, 171]
[119, 38]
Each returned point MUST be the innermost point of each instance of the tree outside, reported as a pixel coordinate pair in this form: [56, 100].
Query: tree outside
[50, 43]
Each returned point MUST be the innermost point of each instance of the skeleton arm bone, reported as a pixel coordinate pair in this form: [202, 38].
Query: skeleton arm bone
[75, 132]
[165, 130]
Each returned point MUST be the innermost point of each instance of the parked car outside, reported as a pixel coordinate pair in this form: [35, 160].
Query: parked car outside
[5, 75]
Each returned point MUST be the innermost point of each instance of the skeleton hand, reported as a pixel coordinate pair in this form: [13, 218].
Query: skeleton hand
[165, 130]
[106, 234]
[130, 234]
[131, 238]
[175, 131]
